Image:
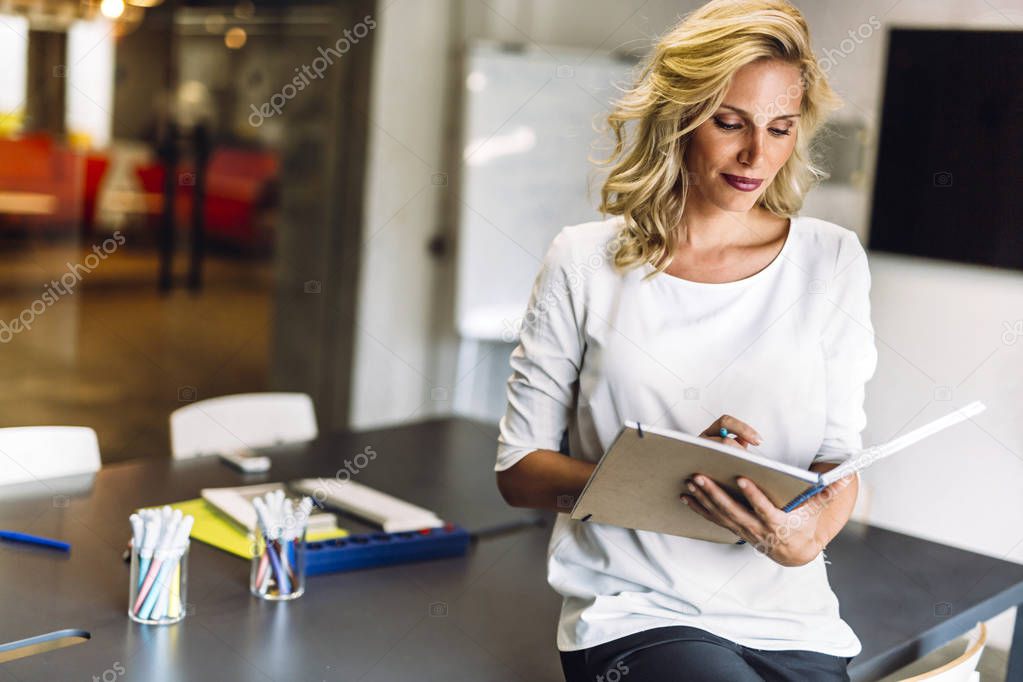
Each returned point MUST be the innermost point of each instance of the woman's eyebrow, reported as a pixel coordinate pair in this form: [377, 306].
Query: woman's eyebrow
[746, 113]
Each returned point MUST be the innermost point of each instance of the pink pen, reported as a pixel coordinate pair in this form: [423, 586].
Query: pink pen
[154, 570]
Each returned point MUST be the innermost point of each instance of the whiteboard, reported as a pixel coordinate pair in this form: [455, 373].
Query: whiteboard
[529, 122]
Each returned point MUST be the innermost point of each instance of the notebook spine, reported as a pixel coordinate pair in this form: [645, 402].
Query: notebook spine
[803, 497]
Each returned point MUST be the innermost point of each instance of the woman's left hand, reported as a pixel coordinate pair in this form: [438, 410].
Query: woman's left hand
[788, 538]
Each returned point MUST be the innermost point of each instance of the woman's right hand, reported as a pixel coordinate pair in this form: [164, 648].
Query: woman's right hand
[746, 434]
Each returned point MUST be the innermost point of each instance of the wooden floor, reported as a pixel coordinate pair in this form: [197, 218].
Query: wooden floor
[115, 354]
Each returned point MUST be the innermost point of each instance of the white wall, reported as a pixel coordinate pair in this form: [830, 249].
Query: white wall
[90, 81]
[14, 57]
[938, 325]
[395, 368]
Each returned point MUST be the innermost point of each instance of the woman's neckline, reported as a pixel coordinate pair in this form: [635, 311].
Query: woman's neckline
[756, 276]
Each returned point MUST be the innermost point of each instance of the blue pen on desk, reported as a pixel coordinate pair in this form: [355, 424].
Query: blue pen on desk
[13, 536]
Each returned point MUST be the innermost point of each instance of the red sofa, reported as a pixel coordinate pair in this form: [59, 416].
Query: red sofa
[36, 164]
[241, 186]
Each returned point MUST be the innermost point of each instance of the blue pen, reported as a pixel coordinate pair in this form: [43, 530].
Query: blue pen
[13, 536]
[283, 584]
[161, 583]
[168, 553]
[270, 533]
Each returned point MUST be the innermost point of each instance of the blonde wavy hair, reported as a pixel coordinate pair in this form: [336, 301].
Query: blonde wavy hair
[678, 87]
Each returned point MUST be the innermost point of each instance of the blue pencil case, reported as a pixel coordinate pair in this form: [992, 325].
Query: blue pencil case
[367, 550]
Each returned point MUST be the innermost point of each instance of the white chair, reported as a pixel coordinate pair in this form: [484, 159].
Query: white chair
[36, 453]
[245, 420]
[963, 668]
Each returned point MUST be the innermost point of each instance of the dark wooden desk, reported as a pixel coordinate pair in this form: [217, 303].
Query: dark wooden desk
[487, 616]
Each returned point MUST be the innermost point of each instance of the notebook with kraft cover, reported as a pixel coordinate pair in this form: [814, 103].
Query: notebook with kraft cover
[637, 482]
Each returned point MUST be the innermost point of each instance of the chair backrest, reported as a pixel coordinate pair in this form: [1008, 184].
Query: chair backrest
[963, 667]
[246, 420]
[36, 453]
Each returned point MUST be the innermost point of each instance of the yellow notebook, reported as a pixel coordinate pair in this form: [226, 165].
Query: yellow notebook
[217, 529]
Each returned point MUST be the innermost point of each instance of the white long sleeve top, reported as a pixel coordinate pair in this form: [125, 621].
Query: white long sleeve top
[788, 350]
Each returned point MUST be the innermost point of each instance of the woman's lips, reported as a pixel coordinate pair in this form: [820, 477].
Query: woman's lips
[741, 183]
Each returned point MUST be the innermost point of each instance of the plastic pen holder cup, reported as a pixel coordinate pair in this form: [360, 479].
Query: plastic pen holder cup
[158, 587]
[278, 567]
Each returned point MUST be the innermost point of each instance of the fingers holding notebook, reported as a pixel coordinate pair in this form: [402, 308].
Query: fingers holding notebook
[733, 431]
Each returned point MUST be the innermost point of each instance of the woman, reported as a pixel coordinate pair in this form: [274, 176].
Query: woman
[703, 303]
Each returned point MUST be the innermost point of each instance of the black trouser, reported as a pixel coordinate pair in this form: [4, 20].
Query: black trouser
[680, 652]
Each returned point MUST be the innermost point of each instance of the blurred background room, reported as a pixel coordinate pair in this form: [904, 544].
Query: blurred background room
[351, 199]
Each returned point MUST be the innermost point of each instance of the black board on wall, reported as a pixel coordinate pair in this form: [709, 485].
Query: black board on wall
[949, 180]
